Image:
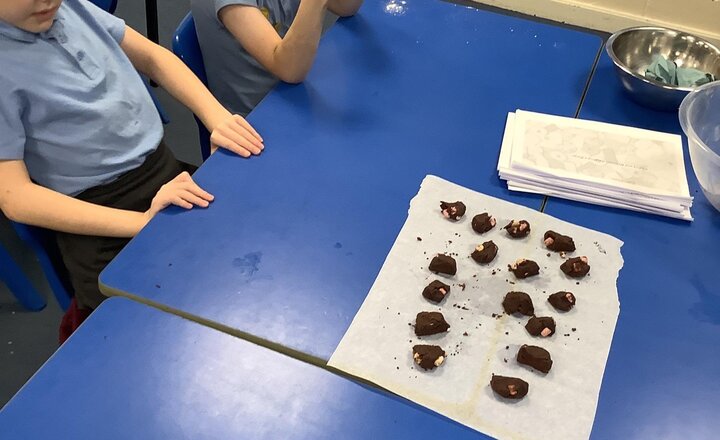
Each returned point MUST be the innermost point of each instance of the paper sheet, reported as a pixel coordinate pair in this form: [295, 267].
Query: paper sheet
[561, 404]
[573, 189]
[594, 199]
[645, 161]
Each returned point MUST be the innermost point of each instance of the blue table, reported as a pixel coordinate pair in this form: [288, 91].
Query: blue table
[661, 379]
[295, 238]
[134, 372]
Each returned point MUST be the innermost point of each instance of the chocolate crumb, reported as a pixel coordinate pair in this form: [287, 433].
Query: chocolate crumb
[420, 239]
[573, 329]
[157, 285]
[465, 334]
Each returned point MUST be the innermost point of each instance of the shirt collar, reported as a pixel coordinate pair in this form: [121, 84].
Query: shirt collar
[18, 34]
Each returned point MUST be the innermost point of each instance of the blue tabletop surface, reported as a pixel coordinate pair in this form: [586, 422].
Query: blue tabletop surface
[134, 372]
[296, 237]
[661, 379]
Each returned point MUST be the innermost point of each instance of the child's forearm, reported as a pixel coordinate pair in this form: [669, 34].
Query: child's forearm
[175, 77]
[231, 132]
[296, 52]
[38, 206]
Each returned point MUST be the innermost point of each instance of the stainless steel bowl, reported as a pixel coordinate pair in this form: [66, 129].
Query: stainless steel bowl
[632, 50]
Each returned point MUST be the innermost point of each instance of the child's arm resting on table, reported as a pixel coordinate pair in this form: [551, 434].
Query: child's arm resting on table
[23, 201]
[228, 131]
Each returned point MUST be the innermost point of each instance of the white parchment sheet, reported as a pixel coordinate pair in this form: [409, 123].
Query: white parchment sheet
[559, 405]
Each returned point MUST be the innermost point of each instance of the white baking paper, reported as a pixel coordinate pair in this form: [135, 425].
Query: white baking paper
[560, 405]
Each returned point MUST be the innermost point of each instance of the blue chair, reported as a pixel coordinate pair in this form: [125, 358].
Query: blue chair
[108, 5]
[19, 285]
[185, 45]
[43, 243]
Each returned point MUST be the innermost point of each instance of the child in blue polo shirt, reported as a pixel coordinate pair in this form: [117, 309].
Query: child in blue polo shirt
[81, 147]
[248, 45]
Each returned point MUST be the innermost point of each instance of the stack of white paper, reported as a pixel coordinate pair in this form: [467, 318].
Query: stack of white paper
[595, 162]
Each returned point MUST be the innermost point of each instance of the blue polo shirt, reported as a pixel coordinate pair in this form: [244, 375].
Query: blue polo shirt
[234, 76]
[72, 106]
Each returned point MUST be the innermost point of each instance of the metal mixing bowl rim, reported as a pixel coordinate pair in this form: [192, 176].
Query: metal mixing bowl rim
[621, 65]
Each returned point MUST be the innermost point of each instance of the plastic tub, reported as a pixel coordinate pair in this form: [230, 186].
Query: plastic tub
[700, 120]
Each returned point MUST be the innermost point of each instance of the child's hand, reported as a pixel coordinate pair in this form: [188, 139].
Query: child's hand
[234, 133]
[181, 191]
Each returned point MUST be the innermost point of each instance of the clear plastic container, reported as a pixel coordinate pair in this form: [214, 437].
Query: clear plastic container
[700, 120]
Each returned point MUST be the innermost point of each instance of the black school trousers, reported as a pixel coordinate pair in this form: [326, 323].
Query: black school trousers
[85, 256]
